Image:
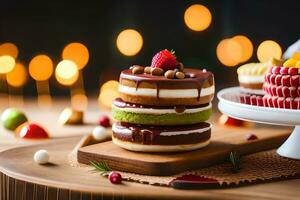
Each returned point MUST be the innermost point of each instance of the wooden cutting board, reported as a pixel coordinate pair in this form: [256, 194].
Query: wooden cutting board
[224, 140]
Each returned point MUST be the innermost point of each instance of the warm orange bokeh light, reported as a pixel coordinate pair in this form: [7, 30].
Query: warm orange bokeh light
[76, 52]
[7, 64]
[246, 45]
[66, 72]
[108, 92]
[18, 76]
[79, 101]
[229, 52]
[197, 17]
[41, 68]
[129, 42]
[9, 49]
[267, 50]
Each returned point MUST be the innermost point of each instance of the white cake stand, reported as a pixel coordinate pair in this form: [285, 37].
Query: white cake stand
[229, 104]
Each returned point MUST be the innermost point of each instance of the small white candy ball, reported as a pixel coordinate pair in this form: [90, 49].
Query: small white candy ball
[41, 157]
[99, 133]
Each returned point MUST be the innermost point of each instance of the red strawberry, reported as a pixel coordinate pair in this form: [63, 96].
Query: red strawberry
[279, 91]
[265, 101]
[272, 79]
[275, 70]
[165, 60]
[260, 101]
[280, 102]
[278, 79]
[293, 71]
[253, 100]
[286, 80]
[293, 92]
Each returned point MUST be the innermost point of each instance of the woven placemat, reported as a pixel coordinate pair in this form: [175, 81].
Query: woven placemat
[258, 167]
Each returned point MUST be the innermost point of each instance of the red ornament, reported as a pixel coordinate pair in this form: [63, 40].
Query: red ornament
[33, 131]
[115, 177]
[194, 182]
[226, 120]
[251, 136]
[104, 121]
[164, 60]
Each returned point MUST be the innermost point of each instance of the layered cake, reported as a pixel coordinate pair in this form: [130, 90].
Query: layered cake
[251, 76]
[281, 87]
[163, 107]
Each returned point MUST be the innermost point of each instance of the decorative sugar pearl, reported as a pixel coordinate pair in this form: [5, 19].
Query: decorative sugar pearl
[99, 133]
[41, 157]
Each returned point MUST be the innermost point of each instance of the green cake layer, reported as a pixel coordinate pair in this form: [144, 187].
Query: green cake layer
[160, 119]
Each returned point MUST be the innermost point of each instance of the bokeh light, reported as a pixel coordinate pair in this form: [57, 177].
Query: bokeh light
[267, 50]
[246, 45]
[18, 76]
[76, 52]
[66, 72]
[9, 49]
[108, 92]
[229, 52]
[129, 42]
[79, 101]
[197, 17]
[41, 68]
[7, 64]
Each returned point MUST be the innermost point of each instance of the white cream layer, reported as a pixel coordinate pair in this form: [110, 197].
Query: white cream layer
[251, 79]
[159, 148]
[127, 131]
[167, 93]
[162, 111]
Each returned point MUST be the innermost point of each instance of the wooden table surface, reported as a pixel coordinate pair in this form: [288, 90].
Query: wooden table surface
[18, 170]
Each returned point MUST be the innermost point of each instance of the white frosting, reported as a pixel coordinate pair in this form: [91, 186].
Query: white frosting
[167, 93]
[251, 79]
[162, 111]
[127, 131]
[159, 148]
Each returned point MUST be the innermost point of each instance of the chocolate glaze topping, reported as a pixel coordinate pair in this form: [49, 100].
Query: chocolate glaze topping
[194, 79]
[151, 134]
[179, 108]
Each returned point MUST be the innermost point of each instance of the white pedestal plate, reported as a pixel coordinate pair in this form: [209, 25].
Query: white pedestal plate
[230, 105]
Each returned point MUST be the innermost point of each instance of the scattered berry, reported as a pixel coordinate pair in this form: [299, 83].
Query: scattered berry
[32, 131]
[251, 136]
[104, 121]
[115, 177]
[165, 60]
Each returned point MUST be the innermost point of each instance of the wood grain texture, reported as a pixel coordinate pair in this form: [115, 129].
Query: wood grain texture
[224, 140]
[22, 179]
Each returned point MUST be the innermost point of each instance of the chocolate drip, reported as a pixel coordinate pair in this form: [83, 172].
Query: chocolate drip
[150, 135]
[179, 109]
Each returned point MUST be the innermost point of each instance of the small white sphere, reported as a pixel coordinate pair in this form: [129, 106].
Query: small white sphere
[41, 157]
[100, 134]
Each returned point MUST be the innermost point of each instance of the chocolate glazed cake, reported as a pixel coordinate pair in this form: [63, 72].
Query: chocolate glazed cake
[163, 108]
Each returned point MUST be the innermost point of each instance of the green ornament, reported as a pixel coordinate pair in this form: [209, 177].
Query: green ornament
[11, 118]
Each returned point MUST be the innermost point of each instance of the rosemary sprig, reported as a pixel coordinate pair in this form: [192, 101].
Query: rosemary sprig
[235, 160]
[101, 167]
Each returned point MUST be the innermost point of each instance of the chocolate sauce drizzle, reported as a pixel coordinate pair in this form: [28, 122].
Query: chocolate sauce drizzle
[179, 108]
[195, 78]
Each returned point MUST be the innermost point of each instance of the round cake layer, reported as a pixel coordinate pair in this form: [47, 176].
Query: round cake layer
[157, 115]
[158, 138]
[195, 89]
[251, 76]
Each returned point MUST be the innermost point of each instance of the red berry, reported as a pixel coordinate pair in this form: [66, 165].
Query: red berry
[251, 136]
[115, 177]
[284, 70]
[104, 121]
[164, 60]
[32, 131]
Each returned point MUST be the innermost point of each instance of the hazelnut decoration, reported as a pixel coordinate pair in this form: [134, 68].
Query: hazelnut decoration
[147, 70]
[157, 71]
[137, 69]
[170, 74]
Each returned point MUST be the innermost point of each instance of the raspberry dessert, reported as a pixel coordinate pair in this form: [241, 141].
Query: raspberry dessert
[281, 87]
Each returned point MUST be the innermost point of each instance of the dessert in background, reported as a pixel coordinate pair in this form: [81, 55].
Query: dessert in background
[281, 86]
[163, 107]
[251, 76]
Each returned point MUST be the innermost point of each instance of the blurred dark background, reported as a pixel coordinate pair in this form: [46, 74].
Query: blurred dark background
[47, 26]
